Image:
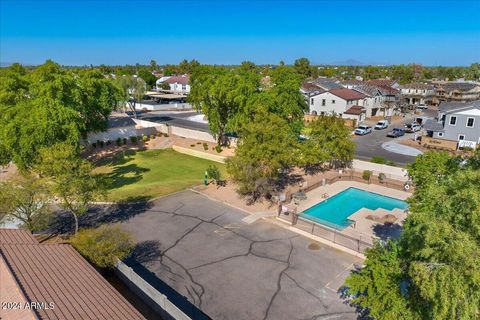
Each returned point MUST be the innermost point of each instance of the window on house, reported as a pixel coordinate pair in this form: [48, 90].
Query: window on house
[470, 122]
[440, 134]
[453, 120]
[323, 102]
[311, 101]
[333, 101]
[461, 137]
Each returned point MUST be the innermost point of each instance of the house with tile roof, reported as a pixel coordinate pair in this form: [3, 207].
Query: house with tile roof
[53, 281]
[335, 101]
[178, 84]
[456, 92]
[417, 93]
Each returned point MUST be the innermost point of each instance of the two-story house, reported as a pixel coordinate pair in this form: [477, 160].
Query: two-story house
[457, 121]
[337, 101]
[456, 91]
[417, 93]
[178, 84]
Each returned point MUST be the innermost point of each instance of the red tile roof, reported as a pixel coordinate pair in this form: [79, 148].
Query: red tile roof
[16, 236]
[178, 79]
[57, 273]
[347, 94]
[356, 110]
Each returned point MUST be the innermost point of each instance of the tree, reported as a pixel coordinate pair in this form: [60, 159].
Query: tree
[328, 141]
[433, 270]
[132, 90]
[104, 245]
[265, 153]
[153, 65]
[27, 199]
[165, 85]
[50, 105]
[148, 77]
[70, 178]
[221, 95]
[214, 173]
[303, 68]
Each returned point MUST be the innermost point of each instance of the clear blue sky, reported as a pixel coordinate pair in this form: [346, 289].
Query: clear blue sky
[224, 32]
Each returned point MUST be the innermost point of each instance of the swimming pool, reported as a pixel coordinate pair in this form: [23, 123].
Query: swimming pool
[334, 211]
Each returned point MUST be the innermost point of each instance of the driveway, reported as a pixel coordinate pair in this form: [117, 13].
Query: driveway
[233, 270]
[378, 144]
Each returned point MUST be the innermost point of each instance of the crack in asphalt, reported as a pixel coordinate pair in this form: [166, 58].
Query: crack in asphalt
[279, 280]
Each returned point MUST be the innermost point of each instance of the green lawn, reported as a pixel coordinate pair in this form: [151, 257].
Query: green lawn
[152, 173]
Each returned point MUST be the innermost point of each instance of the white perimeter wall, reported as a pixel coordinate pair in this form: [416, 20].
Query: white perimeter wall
[396, 173]
[112, 134]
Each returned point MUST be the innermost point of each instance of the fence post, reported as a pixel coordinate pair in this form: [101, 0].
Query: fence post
[313, 227]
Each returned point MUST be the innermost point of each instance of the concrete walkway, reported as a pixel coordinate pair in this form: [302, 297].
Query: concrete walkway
[401, 149]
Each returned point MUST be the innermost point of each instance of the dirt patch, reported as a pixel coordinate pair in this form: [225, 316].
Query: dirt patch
[203, 146]
[314, 246]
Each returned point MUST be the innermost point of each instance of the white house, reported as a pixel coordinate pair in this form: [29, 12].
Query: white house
[335, 101]
[417, 93]
[178, 84]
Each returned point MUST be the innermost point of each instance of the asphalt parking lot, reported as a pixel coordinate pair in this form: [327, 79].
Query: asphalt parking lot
[233, 270]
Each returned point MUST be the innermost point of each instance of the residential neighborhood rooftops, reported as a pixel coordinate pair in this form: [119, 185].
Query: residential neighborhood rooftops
[457, 86]
[416, 85]
[185, 79]
[382, 82]
[347, 94]
[57, 274]
[327, 83]
[310, 87]
[454, 106]
[367, 89]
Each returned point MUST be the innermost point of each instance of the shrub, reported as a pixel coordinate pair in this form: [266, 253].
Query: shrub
[214, 173]
[159, 134]
[381, 176]
[198, 142]
[152, 136]
[390, 163]
[124, 140]
[165, 135]
[192, 145]
[218, 148]
[133, 139]
[144, 138]
[109, 142]
[366, 175]
[378, 159]
[119, 141]
[102, 144]
[102, 246]
[205, 146]
[94, 145]
[98, 143]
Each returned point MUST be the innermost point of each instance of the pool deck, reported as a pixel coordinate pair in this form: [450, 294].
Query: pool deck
[363, 228]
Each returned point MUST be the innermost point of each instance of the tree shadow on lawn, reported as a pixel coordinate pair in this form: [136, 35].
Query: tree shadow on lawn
[123, 175]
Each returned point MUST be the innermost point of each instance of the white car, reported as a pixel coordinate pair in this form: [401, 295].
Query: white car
[422, 106]
[363, 129]
[382, 124]
[412, 127]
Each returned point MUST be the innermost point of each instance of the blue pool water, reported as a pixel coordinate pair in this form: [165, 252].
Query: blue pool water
[334, 211]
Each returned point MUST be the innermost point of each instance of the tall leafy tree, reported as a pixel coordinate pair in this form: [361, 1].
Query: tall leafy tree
[25, 198]
[436, 265]
[132, 91]
[303, 68]
[50, 105]
[264, 155]
[70, 179]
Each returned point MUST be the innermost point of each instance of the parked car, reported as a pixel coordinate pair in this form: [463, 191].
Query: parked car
[396, 132]
[412, 127]
[382, 124]
[363, 129]
[422, 106]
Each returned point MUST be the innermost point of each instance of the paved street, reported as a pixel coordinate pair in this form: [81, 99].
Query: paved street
[367, 146]
[233, 270]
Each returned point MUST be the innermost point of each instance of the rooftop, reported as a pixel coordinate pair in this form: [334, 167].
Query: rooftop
[347, 94]
[355, 110]
[57, 273]
[457, 106]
